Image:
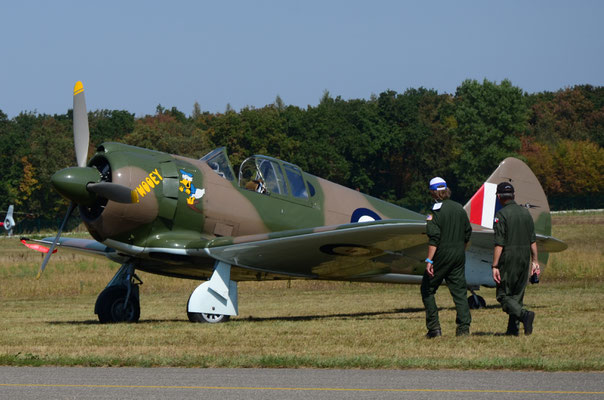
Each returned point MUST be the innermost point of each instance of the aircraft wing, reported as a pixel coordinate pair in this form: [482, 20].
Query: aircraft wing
[351, 251]
[86, 246]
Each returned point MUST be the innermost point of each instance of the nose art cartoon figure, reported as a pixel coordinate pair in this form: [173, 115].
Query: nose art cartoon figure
[189, 188]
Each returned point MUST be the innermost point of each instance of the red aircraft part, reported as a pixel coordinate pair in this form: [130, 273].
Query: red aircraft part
[38, 247]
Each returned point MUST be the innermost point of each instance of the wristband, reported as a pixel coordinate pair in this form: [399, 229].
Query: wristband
[429, 261]
[495, 266]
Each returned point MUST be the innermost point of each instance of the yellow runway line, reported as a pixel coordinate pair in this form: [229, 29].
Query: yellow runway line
[249, 388]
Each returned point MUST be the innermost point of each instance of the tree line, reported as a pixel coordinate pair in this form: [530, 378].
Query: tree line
[389, 145]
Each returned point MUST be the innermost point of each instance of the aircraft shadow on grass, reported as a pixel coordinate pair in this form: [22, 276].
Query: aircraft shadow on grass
[360, 316]
[295, 318]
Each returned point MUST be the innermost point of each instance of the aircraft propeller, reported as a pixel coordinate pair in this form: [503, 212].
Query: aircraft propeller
[83, 184]
[114, 192]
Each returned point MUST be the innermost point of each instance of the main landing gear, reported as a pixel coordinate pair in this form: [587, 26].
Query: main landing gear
[213, 301]
[119, 301]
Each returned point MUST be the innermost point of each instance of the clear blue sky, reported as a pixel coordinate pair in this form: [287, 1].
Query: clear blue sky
[133, 55]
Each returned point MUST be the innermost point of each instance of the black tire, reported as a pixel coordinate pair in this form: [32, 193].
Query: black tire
[209, 318]
[476, 305]
[203, 317]
[110, 305]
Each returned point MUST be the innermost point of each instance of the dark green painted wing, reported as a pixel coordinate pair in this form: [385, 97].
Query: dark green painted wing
[352, 251]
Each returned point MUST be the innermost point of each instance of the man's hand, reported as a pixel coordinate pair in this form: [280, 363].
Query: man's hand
[496, 275]
[430, 269]
[535, 269]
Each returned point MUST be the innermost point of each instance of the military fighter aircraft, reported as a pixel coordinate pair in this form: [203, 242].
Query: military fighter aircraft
[9, 221]
[180, 217]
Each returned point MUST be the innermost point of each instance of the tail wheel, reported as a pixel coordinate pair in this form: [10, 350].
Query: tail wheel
[476, 302]
[110, 305]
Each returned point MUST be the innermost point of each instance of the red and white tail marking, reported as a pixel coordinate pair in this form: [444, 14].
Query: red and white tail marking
[483, 205]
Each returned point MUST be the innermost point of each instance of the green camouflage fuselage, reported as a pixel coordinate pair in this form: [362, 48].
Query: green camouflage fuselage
[186, 204]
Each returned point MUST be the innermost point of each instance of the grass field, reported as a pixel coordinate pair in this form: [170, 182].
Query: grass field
[309, 324]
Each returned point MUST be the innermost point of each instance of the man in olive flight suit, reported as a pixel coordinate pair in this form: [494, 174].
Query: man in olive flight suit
[515, 245]
[449, 231]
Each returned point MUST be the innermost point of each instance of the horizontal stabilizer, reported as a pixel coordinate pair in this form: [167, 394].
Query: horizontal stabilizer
[545, 244]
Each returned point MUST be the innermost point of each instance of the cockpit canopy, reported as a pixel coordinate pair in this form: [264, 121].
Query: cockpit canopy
[263, 174]
[219, 161]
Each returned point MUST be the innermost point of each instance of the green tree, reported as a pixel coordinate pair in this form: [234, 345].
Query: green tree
[252, 131]
[574, 113]
[279, 104]
[579, 167]
[417, 131]
[167, 132]
[28, 183]
[490, 120]
[106, 125]
[319, 131]
[11, 146]
[540, 158]
[196, 111]
[51, 149]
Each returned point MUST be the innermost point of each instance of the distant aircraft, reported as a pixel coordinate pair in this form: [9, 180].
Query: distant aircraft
[9, 222]
[175, 216]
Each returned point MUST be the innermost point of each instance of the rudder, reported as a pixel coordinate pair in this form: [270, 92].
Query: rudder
[483, 205]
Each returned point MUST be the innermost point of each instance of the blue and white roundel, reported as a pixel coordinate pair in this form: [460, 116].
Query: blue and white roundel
[364, 215]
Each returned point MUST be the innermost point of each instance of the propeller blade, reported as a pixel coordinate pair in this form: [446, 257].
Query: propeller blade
[72, 206]
[81, 133]
[114, 192]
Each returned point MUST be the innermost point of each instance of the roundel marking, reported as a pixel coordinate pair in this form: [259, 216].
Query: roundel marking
[349, 250]
[364, 215]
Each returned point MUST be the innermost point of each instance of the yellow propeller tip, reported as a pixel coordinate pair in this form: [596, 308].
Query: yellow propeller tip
[78, 88]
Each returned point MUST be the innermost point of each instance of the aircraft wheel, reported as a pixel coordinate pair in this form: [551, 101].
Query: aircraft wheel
[110, 305]
[203, 317]
[474, 305]
[210, 318]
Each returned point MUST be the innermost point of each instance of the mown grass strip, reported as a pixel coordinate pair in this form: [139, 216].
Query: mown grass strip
[361, 362]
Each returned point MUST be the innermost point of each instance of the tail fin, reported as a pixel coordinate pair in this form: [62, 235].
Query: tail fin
[482, 207]
[481, 210]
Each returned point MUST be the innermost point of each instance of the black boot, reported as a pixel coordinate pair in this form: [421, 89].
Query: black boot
[512, 326]
[433, 333]
[462, 332]
[527, 321]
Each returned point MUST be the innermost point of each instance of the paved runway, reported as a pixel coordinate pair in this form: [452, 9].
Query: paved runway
[230, 384]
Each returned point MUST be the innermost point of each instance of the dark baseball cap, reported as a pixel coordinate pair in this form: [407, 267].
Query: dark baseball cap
[505, 187]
